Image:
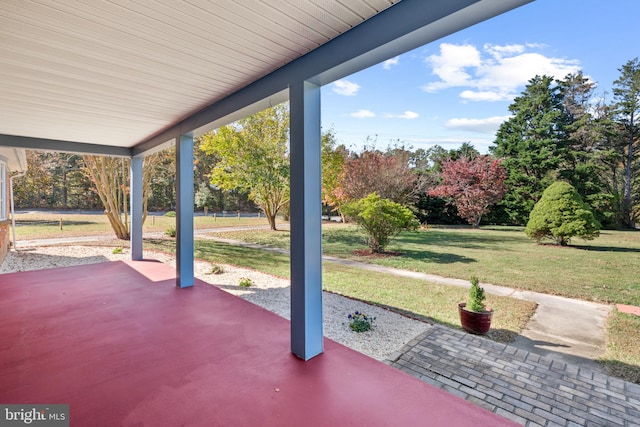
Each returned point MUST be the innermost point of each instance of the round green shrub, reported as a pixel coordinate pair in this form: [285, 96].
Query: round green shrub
[561, 214]
[380, 219]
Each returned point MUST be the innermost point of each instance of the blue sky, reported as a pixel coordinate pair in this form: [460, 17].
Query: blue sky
[458, 88]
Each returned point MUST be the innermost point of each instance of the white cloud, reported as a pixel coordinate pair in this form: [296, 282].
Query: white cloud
[498, 73]
[489, 125]
[390, 62]
[363, 114]
[499, 52]
[451, 65]
[345, 87]
[408, 115]
[471, 95]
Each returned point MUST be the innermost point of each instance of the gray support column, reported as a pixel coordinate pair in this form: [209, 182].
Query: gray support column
[306, 221]
[184, 211]
[135, 232]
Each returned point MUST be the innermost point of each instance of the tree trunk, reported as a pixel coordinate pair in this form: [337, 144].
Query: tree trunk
[271, 216]
[628, 206]
[104, 173]
[272, 222]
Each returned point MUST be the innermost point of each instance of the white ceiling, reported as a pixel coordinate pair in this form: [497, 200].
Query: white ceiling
[129, 74]
[115, 72]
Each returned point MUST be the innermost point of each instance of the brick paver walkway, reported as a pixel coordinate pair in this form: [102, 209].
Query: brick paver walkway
[527, 388]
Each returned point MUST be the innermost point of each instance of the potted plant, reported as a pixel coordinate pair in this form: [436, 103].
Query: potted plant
[475, 317]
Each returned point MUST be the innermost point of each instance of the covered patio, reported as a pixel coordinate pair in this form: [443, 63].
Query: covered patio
[122, 345]
[140, 343]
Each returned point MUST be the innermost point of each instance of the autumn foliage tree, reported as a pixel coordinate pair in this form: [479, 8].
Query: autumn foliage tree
[472, 185]
[372, 171]
[333, 158]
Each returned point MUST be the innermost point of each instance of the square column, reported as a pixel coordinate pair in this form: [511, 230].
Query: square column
[184, 211]
[135, 201]
[306, 221]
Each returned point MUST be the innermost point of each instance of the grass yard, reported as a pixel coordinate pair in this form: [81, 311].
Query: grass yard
[414, 298]
[623, 352]
[45, 225]
[606, 269]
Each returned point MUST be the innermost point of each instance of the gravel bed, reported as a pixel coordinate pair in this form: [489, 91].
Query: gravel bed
[390, 332]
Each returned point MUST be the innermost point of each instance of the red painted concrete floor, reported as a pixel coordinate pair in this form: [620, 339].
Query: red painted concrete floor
[122, 345]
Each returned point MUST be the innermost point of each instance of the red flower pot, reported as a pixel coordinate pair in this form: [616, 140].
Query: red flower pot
[474, 323]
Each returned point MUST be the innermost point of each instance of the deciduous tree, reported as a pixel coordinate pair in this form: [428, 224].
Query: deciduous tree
[383, 173]
[110, 177]
[334, 157]
[253, 156]
[472, 185]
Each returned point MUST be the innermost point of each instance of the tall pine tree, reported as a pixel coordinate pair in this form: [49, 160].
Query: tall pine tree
[626, 93]
[533, 144]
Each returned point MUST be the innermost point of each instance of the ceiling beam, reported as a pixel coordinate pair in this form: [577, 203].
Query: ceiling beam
[43, 144]
[404, 26]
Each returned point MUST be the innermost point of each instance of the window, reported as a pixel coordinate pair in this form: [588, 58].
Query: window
[3, 191]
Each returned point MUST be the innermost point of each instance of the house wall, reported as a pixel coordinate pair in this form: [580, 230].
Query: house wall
[5, 224]
[4, 239]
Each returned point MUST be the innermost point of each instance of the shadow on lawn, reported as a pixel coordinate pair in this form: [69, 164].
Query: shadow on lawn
[435, 257]
[463, 239]
[604, 248]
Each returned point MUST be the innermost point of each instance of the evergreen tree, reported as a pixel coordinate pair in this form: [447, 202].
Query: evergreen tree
[533, 144]
[560, 215]
[581, 167]
[626, 93]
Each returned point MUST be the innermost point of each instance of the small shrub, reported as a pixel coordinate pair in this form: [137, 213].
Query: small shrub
[380, 219]
[216, 269]
[360, 322]
[476, 296]
[117, 250]
[170, 214]
[245, 282]
[171, 231]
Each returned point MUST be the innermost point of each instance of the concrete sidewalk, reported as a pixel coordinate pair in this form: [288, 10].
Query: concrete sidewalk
[569, 329]
[565, 326]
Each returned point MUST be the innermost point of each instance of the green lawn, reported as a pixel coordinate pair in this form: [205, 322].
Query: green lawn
[415, 298]
[45, 225]
[606, 269]
[623, 352]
